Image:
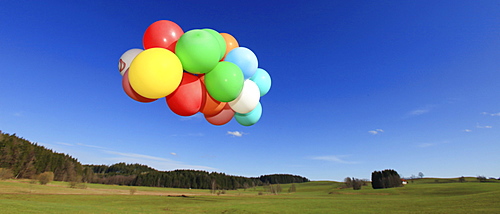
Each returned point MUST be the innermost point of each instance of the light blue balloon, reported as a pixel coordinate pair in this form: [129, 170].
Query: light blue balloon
[249, 118]
[245, 59]
[263, 80]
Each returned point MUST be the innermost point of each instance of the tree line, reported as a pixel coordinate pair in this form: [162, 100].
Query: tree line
[141, 175]
[24, 159]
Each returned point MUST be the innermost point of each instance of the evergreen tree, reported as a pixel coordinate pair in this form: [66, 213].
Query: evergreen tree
[386, 179]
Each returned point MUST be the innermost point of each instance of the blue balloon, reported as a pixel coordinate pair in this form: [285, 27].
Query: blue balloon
[245, 59]
[263, 80]
[249, 118]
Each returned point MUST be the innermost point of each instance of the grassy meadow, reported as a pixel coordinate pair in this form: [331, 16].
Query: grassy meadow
[422, 196]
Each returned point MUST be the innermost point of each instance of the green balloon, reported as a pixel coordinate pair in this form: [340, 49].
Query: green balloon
[220, 39]
[225, 82]
[198, 50]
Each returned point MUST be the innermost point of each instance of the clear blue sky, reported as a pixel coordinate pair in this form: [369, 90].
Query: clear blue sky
[357, 86]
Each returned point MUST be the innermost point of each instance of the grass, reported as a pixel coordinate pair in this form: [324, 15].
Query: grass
[422, 196]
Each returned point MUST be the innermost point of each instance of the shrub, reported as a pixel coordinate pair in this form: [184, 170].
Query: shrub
[6, 174]
[356, 184]
[292, 188]
[75, 182]
[133, 190]
[46, 178]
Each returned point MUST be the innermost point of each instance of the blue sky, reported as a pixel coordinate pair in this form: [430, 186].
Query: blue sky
[358, 86]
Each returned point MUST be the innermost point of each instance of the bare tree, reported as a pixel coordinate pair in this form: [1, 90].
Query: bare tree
[245, 186]
[356, 184]
[421, 175]
[214, 186]
[292, 188]
[275, 188]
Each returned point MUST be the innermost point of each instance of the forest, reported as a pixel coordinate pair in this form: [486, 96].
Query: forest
[25, 159]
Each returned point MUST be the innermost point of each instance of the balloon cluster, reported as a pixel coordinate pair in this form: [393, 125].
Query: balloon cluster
[200, 70]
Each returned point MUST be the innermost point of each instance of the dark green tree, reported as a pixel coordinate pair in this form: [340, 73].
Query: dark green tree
[387, 178]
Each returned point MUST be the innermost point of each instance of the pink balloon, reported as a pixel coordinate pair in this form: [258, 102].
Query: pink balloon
[187, 99]
[130, 91]
[222, 117]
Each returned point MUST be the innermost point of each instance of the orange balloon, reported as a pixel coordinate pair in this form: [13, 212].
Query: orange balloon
[222, 117]
[231, 42]
[210, 106]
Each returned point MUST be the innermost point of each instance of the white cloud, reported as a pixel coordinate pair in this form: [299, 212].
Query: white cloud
[376, 131]
[424, 110]
[334, 158]
[419, 111]
[65, 144]
[91, 146]
[423, 145]
[173, 153]
[236, 133]
[491, 114]
[467, 130]
[133, 155]
[483, 127]
[199, 134]
[155, 162]
[193, 117]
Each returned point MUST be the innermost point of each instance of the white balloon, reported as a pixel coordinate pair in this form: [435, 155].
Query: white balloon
[248, 99]
[126, 59]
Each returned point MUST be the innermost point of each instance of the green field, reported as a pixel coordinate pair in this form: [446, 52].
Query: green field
[422, 196]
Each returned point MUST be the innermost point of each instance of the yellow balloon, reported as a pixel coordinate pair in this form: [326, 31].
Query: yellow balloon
[155, 73]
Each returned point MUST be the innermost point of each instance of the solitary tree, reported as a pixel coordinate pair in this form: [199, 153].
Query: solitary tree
[348, 182]
[214, 186]
[292, 188]
[421, 175]
[245, 186]
[275, 188]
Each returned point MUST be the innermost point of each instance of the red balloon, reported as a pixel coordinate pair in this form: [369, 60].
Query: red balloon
[130, 91]
[187, 99]
[222, 117]
[162, 34]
